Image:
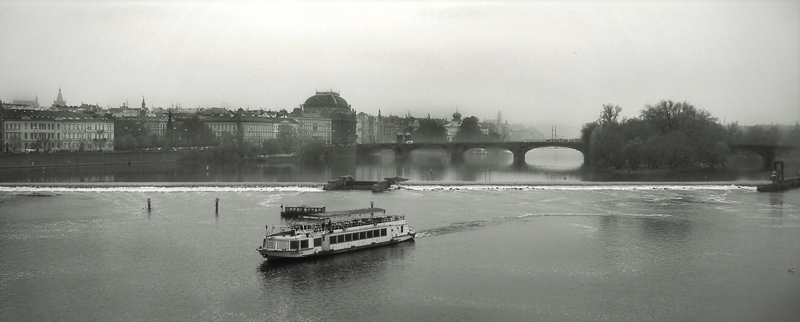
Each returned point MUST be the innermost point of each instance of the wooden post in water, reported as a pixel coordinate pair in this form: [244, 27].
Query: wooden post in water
[216, 205]
[148, 204]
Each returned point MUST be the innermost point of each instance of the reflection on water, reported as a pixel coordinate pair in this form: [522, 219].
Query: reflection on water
[541, 165]
[348, 278]
[332, 269]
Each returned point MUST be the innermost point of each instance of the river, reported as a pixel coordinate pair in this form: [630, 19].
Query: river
[545, 165]
[535, 251]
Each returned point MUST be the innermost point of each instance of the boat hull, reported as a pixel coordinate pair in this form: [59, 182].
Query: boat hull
[780, 185]
[311, 253]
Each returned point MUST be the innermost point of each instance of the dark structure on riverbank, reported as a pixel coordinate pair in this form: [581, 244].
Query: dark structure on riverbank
[779, 183]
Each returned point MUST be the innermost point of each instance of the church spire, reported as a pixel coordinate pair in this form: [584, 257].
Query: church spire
[60, 99]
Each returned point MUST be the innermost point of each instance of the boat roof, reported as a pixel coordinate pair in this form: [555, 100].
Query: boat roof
[341, 213]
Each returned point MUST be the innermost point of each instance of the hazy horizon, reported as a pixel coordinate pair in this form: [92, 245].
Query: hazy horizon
[537, 63]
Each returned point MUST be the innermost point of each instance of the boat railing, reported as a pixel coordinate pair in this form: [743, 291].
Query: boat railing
[344, 224]
[304, 209]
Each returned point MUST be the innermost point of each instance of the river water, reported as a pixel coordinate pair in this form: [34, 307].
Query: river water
[539, 242]
[561, 252]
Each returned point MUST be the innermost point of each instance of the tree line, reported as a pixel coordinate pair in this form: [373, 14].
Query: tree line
[672, 135]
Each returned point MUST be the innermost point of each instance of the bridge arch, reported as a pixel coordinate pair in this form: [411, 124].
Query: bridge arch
[457, 149]
[523, 152]
[768, 153]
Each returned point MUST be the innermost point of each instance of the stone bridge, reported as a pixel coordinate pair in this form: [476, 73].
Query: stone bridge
[401, 151]
[457, 149]
[768, 153]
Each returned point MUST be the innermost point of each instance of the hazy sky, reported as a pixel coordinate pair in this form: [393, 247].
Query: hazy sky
[536, 62]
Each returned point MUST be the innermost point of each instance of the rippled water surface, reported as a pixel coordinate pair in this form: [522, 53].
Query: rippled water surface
[484, 252]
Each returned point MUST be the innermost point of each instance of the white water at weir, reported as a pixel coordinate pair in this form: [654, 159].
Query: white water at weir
[188, 187]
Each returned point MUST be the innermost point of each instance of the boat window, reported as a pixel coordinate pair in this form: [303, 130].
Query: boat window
[383, 232]
[363, 235]
[332, 239]
[348, 237]
[401, 228]
[281, 244]
[317, 242]
[294, 244]
[355, 236]
[304, 244]
[369, 234]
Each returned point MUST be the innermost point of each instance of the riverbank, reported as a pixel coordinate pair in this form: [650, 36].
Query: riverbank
[48, 160]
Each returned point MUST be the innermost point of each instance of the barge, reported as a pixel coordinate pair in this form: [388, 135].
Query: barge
[337, 232]
[349, 183]
[779, 182]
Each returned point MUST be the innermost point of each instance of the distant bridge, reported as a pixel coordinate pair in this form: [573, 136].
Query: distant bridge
[768, 153]
[457, 149]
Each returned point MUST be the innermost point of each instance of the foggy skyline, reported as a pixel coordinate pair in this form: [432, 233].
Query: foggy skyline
[536, 62]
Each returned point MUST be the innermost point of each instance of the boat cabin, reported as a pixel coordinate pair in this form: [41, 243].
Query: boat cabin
[335, 232]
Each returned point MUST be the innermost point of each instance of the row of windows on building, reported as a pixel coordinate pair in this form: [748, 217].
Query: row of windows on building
[14, 126]
[57, 136]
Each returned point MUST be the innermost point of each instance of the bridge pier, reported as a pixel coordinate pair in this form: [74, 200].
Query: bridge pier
[402, 154]
[769, 159]
[519, 157]
[456, 157]
[457, 154]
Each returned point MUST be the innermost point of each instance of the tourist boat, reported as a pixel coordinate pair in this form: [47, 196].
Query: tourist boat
[300, 211]
[348, 183]
[335, 232]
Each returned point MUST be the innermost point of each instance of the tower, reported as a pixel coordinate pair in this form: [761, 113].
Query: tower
[60, 99]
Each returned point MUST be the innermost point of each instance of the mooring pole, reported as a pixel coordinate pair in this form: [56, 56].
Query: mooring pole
[216, 205]
[148, 204]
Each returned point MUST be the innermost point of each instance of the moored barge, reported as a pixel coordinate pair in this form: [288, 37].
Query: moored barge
[335, 232]
[349, 183]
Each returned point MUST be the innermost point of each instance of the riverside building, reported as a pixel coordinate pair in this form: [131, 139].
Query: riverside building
[45, 131]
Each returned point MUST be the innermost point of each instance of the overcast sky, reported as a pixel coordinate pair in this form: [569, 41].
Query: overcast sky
[536, 62]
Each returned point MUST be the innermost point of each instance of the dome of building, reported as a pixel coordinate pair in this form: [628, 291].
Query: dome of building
[456, 115]
[326, 100]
